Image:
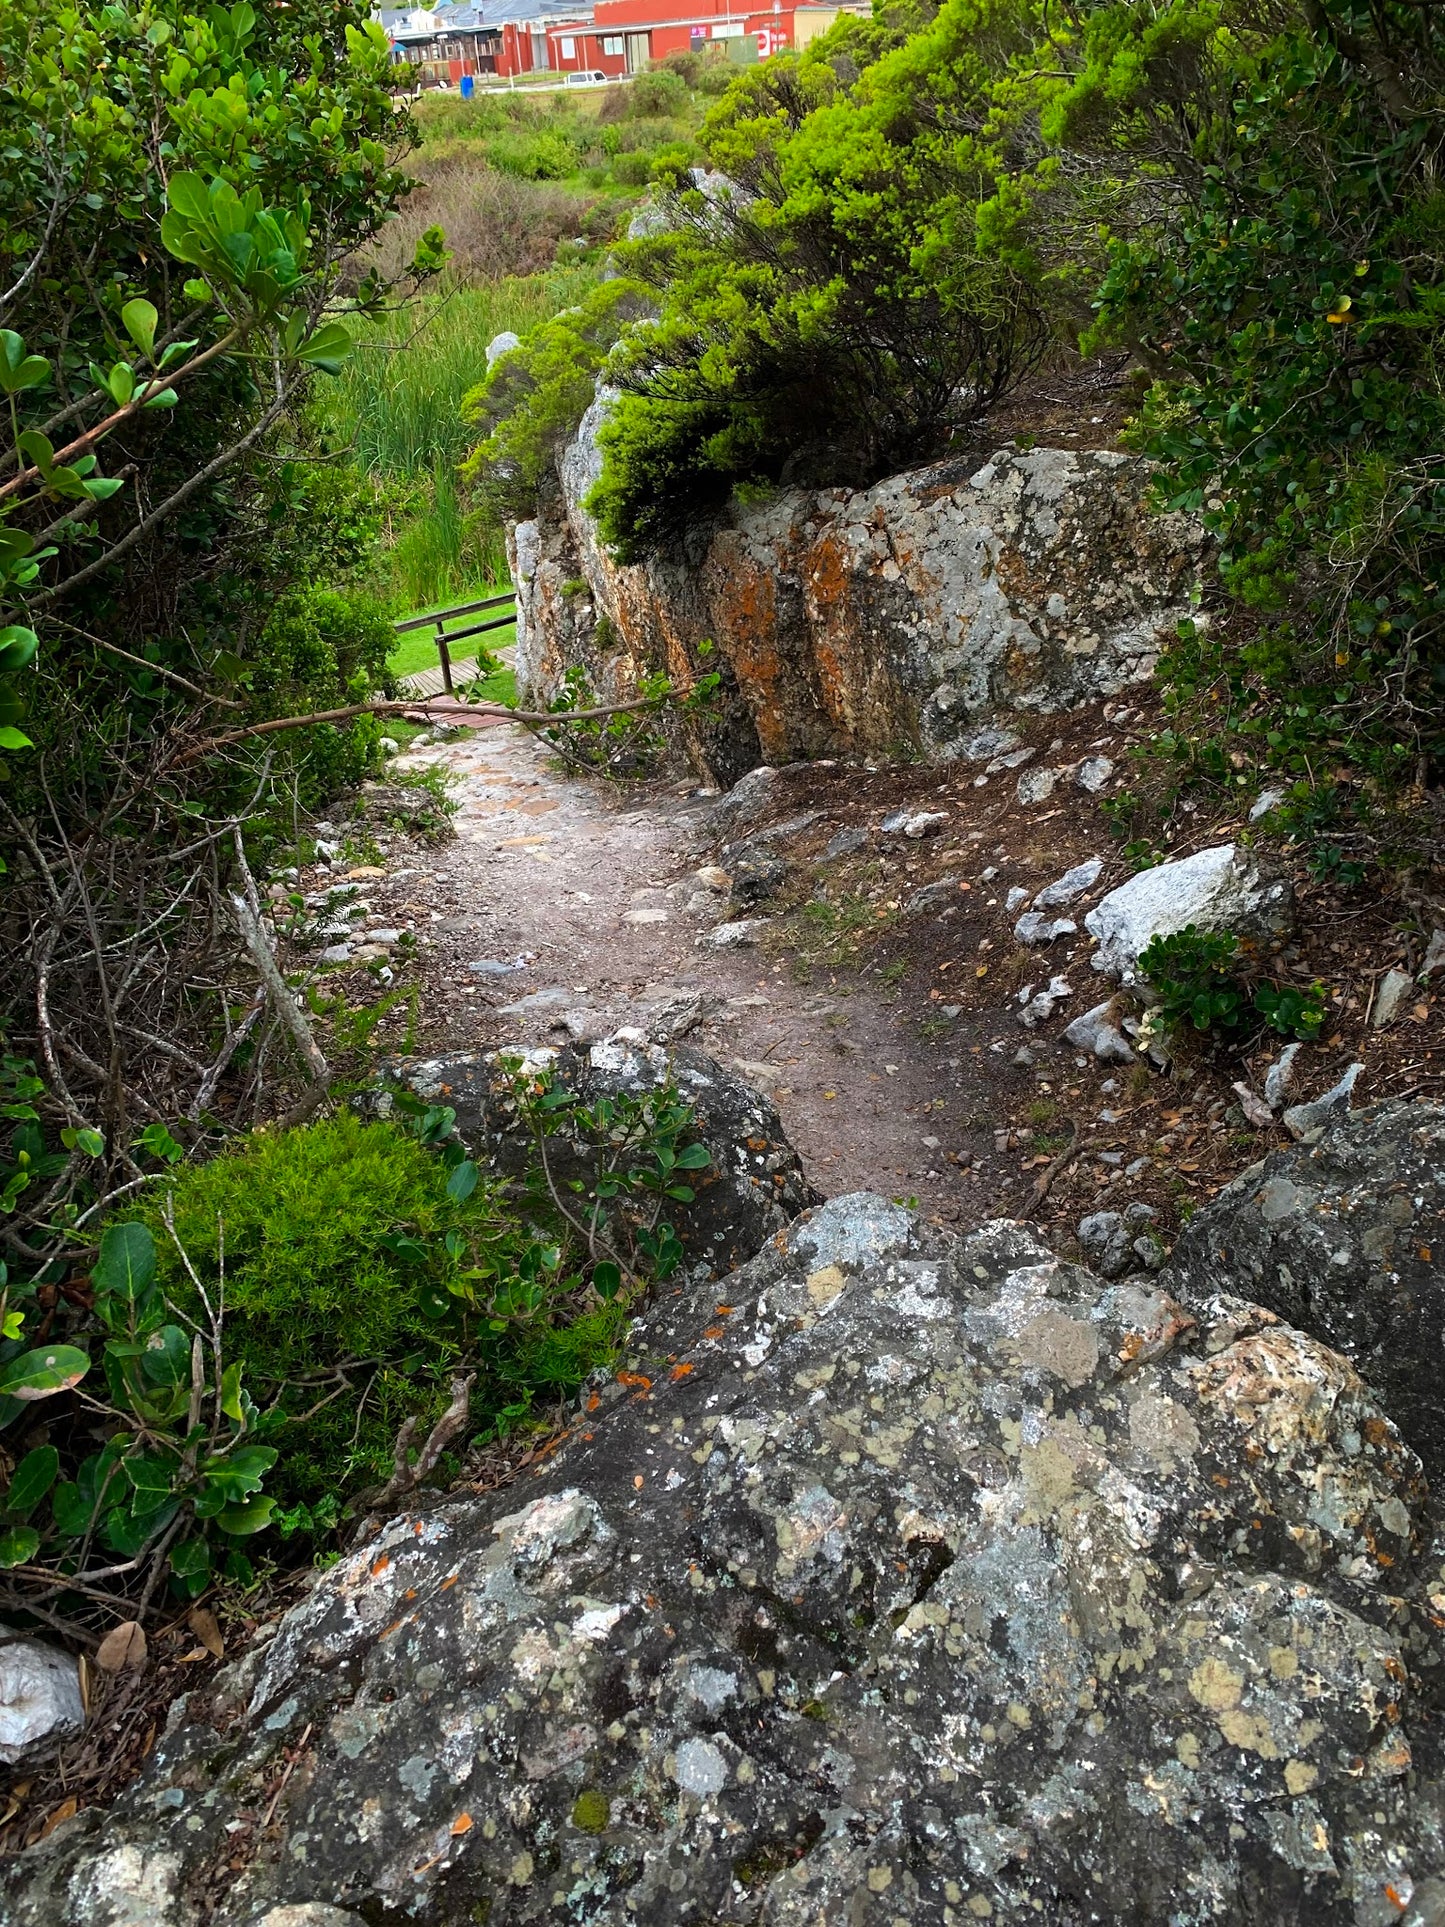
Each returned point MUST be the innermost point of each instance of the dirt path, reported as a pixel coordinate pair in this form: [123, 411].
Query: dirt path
[880, 1005]
[568, 883]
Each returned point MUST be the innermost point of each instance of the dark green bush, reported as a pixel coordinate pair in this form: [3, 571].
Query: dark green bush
[1198, 978]
[1193, 973]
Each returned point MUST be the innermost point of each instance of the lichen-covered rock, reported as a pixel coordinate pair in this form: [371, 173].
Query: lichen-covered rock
[850, 620]
[906, 1579]
[756, 1182]
[1345, 1237]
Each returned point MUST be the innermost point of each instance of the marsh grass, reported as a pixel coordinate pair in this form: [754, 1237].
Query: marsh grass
[397, 406]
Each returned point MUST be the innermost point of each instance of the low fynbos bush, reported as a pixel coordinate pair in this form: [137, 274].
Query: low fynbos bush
[1197, 977]
[247, 1347]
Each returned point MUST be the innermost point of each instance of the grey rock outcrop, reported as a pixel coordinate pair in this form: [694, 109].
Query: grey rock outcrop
[920, 1580]
[1346, 1239]
[40, 1699]
[850, 620]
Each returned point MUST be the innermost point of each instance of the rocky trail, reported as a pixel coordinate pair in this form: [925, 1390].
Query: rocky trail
[865, 946]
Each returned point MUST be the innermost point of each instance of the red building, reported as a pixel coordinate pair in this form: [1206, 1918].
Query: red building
[622, 36]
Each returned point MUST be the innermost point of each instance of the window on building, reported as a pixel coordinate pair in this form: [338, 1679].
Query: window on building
[612, 46]
[569, 48]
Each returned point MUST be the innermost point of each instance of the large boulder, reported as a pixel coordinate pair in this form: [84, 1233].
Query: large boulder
[845, 621]
[1216, 889]
[1345, 1237]
[904, 1579]
[755, 1185]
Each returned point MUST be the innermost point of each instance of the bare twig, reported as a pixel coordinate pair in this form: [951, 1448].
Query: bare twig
[407, 1475]
[248, 920]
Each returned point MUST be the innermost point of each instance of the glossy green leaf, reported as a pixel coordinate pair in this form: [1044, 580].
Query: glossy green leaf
[140, 319]
[127, 1262]
[18, 1545]
[43, 1372]
[32, 1479]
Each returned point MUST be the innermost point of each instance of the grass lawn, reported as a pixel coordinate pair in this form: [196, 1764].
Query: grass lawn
[417, 649]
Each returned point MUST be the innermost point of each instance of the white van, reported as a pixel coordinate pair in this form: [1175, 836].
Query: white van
[588, 78]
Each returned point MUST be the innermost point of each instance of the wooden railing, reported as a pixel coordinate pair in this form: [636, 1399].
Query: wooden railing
[441, 617]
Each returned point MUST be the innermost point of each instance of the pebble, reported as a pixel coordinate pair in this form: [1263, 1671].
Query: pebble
[1036, 786]
[387, 937]
[843, 844]
[550, 999]
[1016, 898]
[1015, 760]
[1033, 928]
[742, 934]
[1094, 773]
[1073, 883]
[1395, 987]
[336, 953]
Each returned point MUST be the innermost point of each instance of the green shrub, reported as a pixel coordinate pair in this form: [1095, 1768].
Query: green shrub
[1281, 272]
[1193, 974]
[1196, 976]
[658, 95]
[339, 1248]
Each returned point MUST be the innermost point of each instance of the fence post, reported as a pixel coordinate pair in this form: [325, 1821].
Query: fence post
[446, 656]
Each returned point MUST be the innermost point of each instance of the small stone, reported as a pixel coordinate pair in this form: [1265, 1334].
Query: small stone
[494, 967]
[1073, 883]
[1023, 1058]
[1306, 1121]
[40, 1699]
[387, 937]
[1395, 987]
[712, 876]
[645, 913]
[987, 742]
[1256, 1111]
[1280, 1076]
[1138, 1214]
[1434, 954]
[1105, 1239]
[1137, 1168]
[844, 843]
[1033, 928]
[742, 934]
[336, 953]
[388, 745]
[1016, 899]
[327, 852]
[1093, 774]
[1036, 786]
[555, 997]
[1266, 801]
[932, 896]
[913, 823]
[1015, 760]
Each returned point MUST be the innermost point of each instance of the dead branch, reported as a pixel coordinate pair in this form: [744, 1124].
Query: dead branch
[247, 910]
[442, 709]
[408, 1475]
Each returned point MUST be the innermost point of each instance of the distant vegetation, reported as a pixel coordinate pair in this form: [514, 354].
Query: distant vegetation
[1243, 197]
